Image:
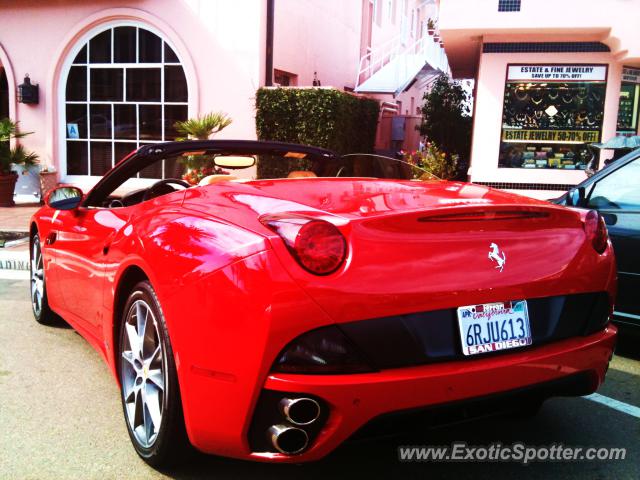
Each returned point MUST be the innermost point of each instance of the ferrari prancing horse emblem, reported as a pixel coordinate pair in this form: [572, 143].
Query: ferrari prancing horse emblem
[494, 256]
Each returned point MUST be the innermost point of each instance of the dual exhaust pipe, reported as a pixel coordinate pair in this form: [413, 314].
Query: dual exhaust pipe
[299, 412]
[288, 440]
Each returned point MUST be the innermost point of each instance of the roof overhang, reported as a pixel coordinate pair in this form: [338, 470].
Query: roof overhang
[464, 46]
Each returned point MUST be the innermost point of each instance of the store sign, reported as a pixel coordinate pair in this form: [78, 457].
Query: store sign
[630, 75]
[580, 136]
[573, 73]
[72, 130]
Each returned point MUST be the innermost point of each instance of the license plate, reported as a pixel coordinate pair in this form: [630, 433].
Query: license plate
[492, 327]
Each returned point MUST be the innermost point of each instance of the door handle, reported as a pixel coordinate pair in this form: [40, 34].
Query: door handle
[105, 248]
[51, 238]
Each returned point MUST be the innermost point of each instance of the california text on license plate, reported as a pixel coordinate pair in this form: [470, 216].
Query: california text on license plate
[494, 326]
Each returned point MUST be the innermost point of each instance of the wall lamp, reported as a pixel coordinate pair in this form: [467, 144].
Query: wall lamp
[27, 92]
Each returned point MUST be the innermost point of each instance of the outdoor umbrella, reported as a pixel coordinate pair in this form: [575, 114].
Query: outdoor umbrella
[620, 142]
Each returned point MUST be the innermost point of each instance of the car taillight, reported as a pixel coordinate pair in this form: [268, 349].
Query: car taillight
[317, 245]
[596, 231]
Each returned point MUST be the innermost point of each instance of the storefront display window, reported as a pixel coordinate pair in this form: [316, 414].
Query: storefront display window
[628, 106]
[550, 114]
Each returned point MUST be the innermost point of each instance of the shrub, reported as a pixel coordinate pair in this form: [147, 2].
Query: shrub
[323, 117]
[434, 161]
[446, 120]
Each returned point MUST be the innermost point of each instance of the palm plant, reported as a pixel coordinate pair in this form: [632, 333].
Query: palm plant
[202, 127]
[16, 155]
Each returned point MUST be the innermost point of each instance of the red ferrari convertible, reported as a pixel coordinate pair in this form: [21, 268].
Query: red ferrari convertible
[295, 298]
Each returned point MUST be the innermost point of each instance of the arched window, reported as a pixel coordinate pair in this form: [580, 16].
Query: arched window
[124, 88]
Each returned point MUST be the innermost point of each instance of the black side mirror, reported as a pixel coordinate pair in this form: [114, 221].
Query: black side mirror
[64, 198]
[576, 197]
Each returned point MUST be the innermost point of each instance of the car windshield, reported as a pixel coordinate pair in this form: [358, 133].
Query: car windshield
[195, 167]
[195, 164]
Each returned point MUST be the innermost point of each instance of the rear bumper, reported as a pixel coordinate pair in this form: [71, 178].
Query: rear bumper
[511, 401]
[355, 400]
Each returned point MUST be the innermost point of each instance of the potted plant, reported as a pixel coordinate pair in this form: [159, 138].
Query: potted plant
[431, 26]
[48, 180]
[9, 156]
[201, 128]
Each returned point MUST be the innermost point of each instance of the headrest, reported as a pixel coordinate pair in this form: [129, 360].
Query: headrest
[216, 178]
[301, 174]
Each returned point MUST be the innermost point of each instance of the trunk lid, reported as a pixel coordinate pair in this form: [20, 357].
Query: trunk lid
[416, 246]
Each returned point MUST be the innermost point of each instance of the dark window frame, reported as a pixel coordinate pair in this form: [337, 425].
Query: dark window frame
[135, 134]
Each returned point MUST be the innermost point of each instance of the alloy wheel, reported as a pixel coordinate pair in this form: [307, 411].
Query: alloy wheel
[143, 373]
[37, 278]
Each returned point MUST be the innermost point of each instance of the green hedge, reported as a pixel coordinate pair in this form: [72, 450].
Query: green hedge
[317, 116]
[322, 117]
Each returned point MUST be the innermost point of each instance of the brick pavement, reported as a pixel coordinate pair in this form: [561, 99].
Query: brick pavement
[17, 218]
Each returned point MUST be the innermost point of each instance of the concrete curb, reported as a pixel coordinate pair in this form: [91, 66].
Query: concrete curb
[14, 260]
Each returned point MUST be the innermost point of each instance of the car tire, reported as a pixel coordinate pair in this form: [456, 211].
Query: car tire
[149, 383]
[38, 288]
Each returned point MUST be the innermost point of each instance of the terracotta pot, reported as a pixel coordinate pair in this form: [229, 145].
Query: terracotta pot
[7, 186]
[48, 181]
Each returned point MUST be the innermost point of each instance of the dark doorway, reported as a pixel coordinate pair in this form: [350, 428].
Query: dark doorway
[4, 94]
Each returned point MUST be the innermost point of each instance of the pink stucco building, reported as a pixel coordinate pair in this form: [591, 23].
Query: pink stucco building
[550, 77]
[116, 75]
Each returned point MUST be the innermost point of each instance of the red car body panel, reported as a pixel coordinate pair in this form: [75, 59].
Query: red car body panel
[356, 399]
[234, 297]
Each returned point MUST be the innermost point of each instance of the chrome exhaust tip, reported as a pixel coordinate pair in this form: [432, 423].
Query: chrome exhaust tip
[300, 411]
[288, 440]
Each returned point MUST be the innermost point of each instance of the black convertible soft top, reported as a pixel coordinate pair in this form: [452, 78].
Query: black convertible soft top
[227, 146]
[148, 154]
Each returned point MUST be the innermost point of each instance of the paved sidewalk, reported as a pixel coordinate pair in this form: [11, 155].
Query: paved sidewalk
[16, 219]
[14, 261]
